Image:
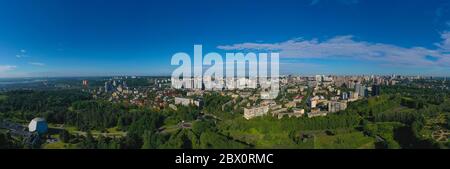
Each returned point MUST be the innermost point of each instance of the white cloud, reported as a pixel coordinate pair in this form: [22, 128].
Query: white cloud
[445, 44]
[22, 53]
[346, 47]
[37, 63]
[5, 68]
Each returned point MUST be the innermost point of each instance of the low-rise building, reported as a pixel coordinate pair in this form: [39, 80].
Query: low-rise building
[290, 104]
[255, 112]
[278, 111]
[316, 114]
[299, 111]
[335, 106]
[268, 103]
[298, 98]
[269, 95]
[292, 90]
[188, 101]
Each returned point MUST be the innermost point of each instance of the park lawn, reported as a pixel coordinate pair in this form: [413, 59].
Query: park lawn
[400, 109]
[114, 130]
[368, 145]
[281, 141]
[19, 121]
[386, 129]
[272, 140]
[3, 97]
[70, 129]
[111, 132]
[58, 145]
[170, 128]
[251, 136]
[348, 140]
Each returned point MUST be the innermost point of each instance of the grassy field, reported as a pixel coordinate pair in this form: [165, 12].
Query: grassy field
[170, 128]
[399, 109]
[272, 134]
[110, 132]
[386, 130]
[58, 145]
[343, 140]
[3, 97]
[270, 140]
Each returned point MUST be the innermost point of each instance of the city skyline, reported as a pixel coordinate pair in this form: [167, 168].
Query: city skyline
[112, 38]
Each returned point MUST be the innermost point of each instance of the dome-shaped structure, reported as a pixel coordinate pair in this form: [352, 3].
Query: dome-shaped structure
[38, 125]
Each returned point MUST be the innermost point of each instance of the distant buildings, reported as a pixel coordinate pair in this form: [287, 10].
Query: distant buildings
[376, 90]
[108, 87]
[362, 90]
[85, 83]
[313, 102]
[353, 96]
[319, 79]
[344, 95]
[365, 92]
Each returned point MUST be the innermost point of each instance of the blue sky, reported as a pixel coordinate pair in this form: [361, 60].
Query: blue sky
[139, 37]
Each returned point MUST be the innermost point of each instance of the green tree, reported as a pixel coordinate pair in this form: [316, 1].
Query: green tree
[151, 140]
[64, 136]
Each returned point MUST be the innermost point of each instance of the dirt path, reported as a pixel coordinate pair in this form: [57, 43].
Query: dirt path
[441, 135]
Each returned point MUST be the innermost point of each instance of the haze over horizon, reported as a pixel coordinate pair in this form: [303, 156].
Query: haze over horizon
[110, 38]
